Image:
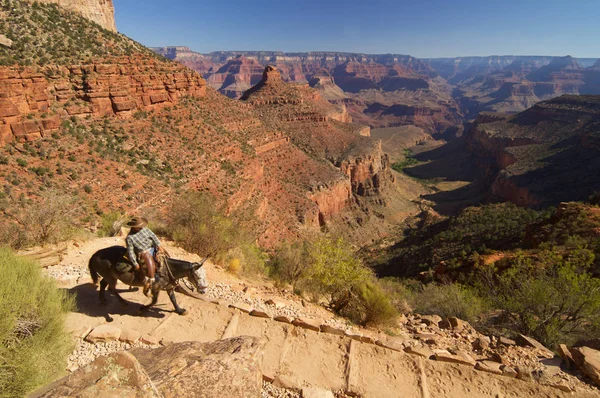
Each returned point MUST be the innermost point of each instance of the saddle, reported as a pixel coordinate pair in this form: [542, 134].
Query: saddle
[125, 264]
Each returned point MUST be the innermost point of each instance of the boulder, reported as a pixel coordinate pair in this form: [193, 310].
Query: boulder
[391, 343]
[526, 341]
[431, 319]
[489, 367]
[498, 358]
[565, 354]
[5, 41]
[103, 333]
[260, 314]
[588, 361]
[224, 368]
[460, 357]
[508, 371]
[332, 330]
[353, 335]
[117, 375]
[458, 324]
[422, 351]
[247, 308]
[481, 343]
[506, 341]
[150, 340]
[283, 318]
[306, 323]
[453, 323]
[130, 336]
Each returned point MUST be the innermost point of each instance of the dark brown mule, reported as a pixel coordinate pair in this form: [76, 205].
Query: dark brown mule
[104, 263]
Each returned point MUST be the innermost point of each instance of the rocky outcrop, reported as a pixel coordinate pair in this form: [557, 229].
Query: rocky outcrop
[369, 172]
[100, 11]
[224, 368]
[34, 101]
[524, 156]
[236, 77]
[588, 361]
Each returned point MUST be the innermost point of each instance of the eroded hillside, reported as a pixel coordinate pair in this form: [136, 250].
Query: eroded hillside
[115, 127]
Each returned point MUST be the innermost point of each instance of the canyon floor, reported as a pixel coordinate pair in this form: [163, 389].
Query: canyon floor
[346, 359]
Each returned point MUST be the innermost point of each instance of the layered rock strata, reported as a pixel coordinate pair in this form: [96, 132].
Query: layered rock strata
[34, 101]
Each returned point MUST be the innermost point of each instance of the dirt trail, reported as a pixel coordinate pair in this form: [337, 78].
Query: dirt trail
[294, 357]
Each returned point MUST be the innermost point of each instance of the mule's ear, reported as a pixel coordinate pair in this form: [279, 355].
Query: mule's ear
[197, 266]
[203, 261]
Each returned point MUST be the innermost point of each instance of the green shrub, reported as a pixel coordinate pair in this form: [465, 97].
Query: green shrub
[335, 271]
[549, 295]
[246, 259]
[33, 343]
[370, 305]
[450, 300]
[110, 224]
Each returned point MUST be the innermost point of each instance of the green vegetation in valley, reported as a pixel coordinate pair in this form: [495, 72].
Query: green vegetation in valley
[459, 241]
[34, 345]
[408, 161]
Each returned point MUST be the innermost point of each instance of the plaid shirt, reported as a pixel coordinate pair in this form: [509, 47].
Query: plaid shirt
[140, 242]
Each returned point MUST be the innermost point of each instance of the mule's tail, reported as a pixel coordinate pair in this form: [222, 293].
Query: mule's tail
[93, 271]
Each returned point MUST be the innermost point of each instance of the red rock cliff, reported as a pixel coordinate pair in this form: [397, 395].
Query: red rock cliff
[110, 87]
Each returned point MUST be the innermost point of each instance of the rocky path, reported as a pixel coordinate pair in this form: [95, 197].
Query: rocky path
[317, 350]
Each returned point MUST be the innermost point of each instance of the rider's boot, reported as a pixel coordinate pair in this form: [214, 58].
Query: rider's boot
[148, 282]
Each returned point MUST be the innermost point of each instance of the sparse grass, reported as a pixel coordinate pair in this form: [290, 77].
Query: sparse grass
[33, 343]
[44, 34]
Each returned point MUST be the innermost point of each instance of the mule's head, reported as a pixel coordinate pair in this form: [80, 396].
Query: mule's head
[198, 277]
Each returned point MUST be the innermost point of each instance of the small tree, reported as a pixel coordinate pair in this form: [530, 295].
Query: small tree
[335, 272]
[200, 226]
[549, 295]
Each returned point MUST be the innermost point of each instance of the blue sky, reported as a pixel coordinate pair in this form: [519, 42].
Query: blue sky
[424, 28]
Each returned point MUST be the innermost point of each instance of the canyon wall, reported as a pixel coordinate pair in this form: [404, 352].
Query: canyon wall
[33, 101]
[100, 11]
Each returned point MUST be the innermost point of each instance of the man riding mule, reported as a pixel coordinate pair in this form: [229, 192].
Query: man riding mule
[143, 244]
[111, 265]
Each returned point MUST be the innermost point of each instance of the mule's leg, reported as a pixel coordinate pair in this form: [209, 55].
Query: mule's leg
[113, 289]
[103, 285]
[155, 294]
[178, 309]
[101, 294]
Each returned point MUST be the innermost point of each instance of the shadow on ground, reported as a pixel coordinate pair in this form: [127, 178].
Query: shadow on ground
[88, 303]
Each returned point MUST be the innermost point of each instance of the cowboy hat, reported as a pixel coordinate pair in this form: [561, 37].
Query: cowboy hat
[137, 222]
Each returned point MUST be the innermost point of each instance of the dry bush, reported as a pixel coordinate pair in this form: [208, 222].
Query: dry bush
[47, 220]
[196, 223]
